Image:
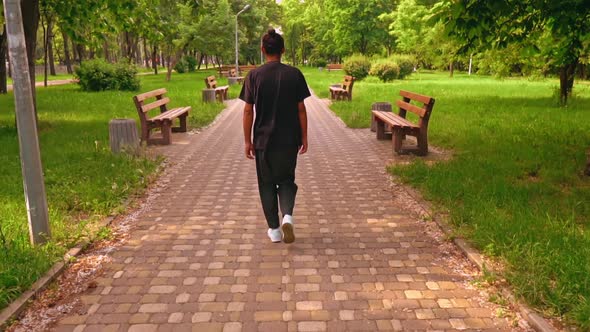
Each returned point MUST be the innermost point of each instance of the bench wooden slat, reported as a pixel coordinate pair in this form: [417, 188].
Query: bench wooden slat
[417, 97]
[163, 120]
[171, 114]
[155, 104]
[150, 94]
[412, 108]
[394, 120]
[400, 126]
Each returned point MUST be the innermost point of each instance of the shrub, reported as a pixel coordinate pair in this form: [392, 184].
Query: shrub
[191, 63]
[321, 63]
[99, 75]
[180, 66]
[357, 66]
[386, 70]
[405, 62]
[125, 77]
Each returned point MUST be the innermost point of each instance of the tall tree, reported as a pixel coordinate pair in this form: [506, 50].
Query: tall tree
[496, 24]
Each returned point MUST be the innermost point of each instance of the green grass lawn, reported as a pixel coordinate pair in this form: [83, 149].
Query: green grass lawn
[514, 187]
[84, 181]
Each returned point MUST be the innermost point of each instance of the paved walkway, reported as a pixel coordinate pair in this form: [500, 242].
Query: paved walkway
[199, 259]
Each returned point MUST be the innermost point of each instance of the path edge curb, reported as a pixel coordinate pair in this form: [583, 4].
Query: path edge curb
[535, 320]
[17, 306]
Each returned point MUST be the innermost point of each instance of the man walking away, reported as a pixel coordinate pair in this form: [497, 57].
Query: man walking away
[276, 92]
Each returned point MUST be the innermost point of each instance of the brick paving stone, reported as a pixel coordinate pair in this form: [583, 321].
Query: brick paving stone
[198, 258]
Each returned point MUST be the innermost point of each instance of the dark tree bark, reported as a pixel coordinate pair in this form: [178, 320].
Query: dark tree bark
[452, 68]
[51, 58]
[44, 25]
[3, 54]
[30, 12]
[146, 54]
[202, 56]
[79, 52]
[67, 60]
[567, 74]
[155, 59]
[587, 170]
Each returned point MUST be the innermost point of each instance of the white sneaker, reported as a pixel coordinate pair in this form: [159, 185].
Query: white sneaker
[274, 234]
[287, 228]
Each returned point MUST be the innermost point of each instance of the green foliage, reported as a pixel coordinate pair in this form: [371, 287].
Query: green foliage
[357, 66]
[386, 70]
[181, 66]
[406, 64]
[98, 75]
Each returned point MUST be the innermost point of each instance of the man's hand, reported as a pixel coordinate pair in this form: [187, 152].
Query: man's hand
[303, 148]
[249, 150]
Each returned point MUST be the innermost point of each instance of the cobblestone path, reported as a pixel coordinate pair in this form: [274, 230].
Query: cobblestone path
[199, 258]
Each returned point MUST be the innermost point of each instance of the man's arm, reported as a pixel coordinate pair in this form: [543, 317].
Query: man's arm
[247, 124]
[303, 122]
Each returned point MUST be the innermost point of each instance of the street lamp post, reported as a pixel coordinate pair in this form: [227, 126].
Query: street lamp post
[246, 7]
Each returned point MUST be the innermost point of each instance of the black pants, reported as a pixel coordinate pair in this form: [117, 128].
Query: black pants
[276, 182]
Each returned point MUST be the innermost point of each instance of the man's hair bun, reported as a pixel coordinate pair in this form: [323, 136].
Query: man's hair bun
[273, 42]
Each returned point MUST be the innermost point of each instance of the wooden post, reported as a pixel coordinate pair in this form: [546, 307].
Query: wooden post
[30, 155]
[378, 106]
[123, 136]
[209, 95]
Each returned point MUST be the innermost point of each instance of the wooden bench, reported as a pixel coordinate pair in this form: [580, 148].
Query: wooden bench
[334, 66]
[225, 71]
[220, 92]
[344, 90]
[163, 120]
[234, 78]
[400, 126]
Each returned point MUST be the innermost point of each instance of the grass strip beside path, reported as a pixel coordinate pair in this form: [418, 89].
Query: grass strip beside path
[84, 181]
[515, 187]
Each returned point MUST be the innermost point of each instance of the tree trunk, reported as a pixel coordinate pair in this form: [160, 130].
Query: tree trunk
[155, 59]
[587, 170]
[50, 58]
[80, 52]
[567, 74]
[3, 53]
[169, 68]
[68, 61]
[200, 61]
[146, 54]
[30, 12]
[45, 53]
[452, 68]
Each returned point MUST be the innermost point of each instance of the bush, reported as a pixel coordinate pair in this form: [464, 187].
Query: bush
[125, 77]
[191, 63]
[321, 63]
[387, 71]
[405, 62]
[357, 66]
[99, 75]
[180, 66]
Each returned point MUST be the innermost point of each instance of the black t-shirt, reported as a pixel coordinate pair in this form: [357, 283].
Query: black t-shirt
[275, 89]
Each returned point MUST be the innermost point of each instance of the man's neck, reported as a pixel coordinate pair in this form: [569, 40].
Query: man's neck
[273, 58]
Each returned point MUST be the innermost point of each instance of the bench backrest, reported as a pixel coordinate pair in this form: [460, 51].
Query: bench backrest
[143, 108]
[423, 112]
[348, 83]
[232, 73]
[211, 82]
